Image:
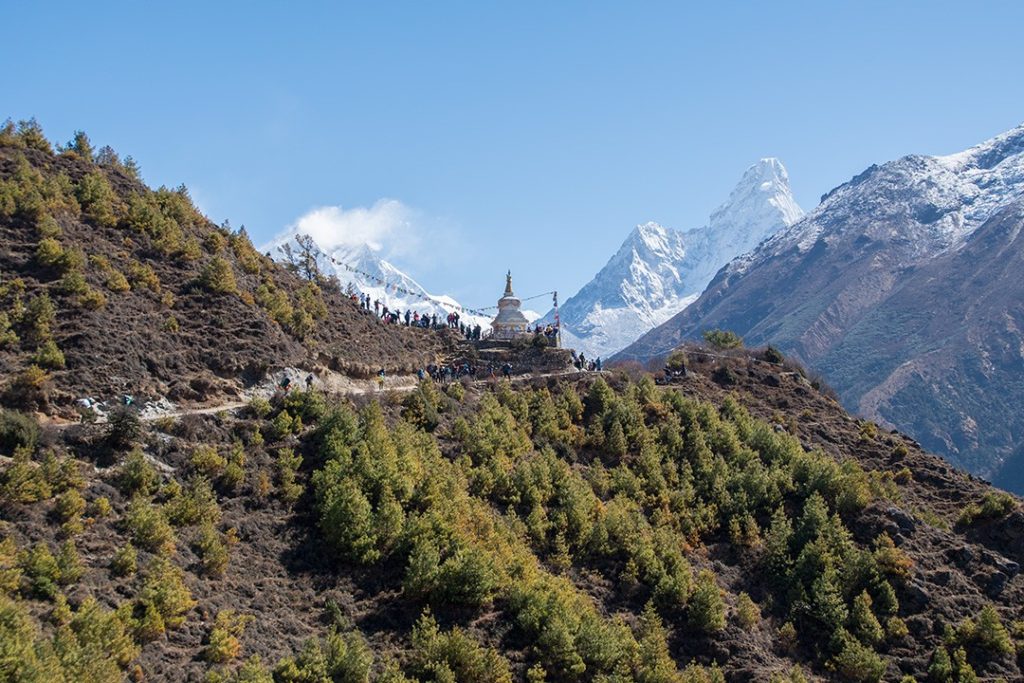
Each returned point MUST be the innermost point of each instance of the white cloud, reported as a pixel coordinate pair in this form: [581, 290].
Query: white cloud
[388, 226]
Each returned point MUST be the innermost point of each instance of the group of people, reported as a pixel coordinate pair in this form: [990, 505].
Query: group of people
[412, 318]
[584, 364]
[447, 373]
[670, 373]
[549, 331]
[285, 385]
[455, 371]
[470, 332]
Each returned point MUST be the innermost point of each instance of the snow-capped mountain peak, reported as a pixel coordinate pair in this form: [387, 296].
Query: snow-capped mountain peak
[763, 192]
[651, 237]
[363, 267]
[650, 244]
[990, 154]
[759, 205]
[766, 182]
[646, 268]
[658, 271]
[937, 201]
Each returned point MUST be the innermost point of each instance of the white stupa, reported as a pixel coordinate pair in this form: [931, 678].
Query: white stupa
[510, 321]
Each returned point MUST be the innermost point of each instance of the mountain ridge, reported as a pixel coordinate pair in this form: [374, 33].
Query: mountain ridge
[818, 290]
[658, 271]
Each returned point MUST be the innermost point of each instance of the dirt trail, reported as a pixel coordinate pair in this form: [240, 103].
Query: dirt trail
[333, 383]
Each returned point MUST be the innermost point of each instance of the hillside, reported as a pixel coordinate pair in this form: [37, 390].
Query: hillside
[734, 525]
[901, 287]
[737, 526]
[658, 271]
[108, 287]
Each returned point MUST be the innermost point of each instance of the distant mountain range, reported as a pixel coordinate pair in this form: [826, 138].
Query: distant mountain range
[658, 271]
[365, 269]
[904, 288]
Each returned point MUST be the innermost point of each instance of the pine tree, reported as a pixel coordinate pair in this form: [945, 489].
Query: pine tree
[81, 145]
[615, 443]
[301, 259]
[863, 622]
[827, 608]
[656, 664]
[707, 610]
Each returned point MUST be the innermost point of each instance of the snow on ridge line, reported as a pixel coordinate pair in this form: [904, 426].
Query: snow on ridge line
[365, 259]
[658, 271]
[947, 197]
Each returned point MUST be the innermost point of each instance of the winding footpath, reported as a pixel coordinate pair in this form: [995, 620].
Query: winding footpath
[407, 384]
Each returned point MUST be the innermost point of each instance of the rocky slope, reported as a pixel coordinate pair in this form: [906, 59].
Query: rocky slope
[496, 533]
[658, 271]
[900, 287]
[108, 287]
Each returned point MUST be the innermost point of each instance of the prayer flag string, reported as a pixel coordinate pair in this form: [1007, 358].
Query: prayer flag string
[398, 289]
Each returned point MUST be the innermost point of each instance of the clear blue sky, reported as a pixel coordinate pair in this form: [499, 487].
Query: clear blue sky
[523, 135]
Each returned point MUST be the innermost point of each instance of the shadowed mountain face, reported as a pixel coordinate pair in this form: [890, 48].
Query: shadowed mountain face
[942, 357]
[903, 289]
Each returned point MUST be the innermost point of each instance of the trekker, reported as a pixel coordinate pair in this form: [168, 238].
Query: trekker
[309, 382]
[597, 364]
[506, 370]
[380, 379]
